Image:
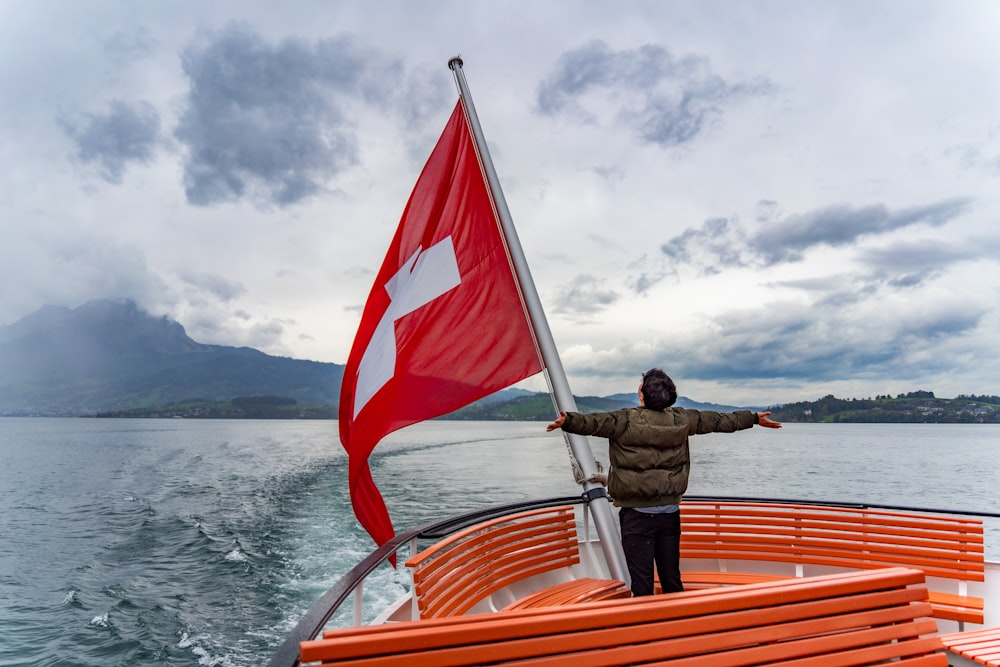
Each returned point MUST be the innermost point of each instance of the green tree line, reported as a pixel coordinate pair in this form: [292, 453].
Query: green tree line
[920, 407]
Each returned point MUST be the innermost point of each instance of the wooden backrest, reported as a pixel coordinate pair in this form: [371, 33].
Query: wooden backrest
[453, 575]
[941, 546]
[855, 618]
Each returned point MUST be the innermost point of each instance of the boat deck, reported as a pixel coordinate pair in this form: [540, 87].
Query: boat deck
[731, 571]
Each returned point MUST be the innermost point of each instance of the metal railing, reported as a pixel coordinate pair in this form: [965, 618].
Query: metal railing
[314, 620]
[834, 503]
[312, 623]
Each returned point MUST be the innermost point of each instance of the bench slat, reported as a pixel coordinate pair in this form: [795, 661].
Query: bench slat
[982, 646]
[460, 601]
[454, 575]
[497, 539]
[738, 508]
[573, 592]
[479, 578]
[767, 528]
[865, 607]
[740, 648]
[844, 648]
[813, 556]
[697, 578]
[948, 606]
[691, 603]
[962, 608]
[962, 562]
[949, 548]
[479, 552]
[432, 551]
[911, 537]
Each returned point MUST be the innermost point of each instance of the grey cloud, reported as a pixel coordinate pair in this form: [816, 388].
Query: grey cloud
[766, 210]
[847, 291]
[99, 267]
[423, 91]
[798, 343]
[824, 284]
[212, 322]
[854, 329]
[901, 266]
[788, 239]
[130, 44]
[722, 242]
[917, 256]
[912, 279]
[908, 264]
[266, 334]
[946, 325]
[668, 101]
[977, 157]
[843, 289]
[584, 295]
[716, 243]
[610, 173]
[268, 122]
[221, 288]
[127, 133]
[646, 280]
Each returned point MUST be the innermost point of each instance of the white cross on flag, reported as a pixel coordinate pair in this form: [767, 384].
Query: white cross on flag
[444, 324]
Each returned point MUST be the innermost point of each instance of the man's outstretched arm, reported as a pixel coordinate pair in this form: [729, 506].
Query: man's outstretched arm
[765, 421]
[560, 420]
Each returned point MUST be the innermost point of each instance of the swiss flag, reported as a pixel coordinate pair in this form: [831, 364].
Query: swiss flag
[444, 324]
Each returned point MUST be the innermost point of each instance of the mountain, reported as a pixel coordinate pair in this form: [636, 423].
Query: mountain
[111, 355]
[520, 405]
[684, 402]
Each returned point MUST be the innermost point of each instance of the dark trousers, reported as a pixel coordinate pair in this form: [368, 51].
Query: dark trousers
[649, 538]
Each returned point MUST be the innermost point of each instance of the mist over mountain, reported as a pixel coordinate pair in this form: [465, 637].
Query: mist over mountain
[112, 355]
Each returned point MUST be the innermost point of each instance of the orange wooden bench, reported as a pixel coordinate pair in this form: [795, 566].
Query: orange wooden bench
[978, 646]
[452, 576]
[854, 618]
[949, 550]
[573, 592]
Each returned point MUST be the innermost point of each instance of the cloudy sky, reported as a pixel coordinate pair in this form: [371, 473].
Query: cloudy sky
[773, 201]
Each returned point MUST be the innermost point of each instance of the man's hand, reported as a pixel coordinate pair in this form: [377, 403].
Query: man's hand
[763, 420]
[561, 419]
[598, 478]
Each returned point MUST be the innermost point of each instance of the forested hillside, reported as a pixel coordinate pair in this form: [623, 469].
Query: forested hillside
[919, 407]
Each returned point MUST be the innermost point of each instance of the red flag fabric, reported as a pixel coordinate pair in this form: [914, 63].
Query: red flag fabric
[444, 324]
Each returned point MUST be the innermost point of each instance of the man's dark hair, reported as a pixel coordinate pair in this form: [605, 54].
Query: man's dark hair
[658, 390]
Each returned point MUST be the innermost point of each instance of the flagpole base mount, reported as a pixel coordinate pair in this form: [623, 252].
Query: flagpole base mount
[594, 494]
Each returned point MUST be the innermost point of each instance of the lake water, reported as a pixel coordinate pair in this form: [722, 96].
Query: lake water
[184, 542]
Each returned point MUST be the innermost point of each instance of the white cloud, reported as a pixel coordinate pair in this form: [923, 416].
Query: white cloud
[771, 201]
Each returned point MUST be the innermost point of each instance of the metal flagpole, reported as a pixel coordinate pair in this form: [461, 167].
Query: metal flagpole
[603, 517]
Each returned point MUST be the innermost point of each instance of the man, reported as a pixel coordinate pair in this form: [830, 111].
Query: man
[650, 462]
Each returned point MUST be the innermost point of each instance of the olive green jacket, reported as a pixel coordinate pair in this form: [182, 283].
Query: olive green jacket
[649, 453]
